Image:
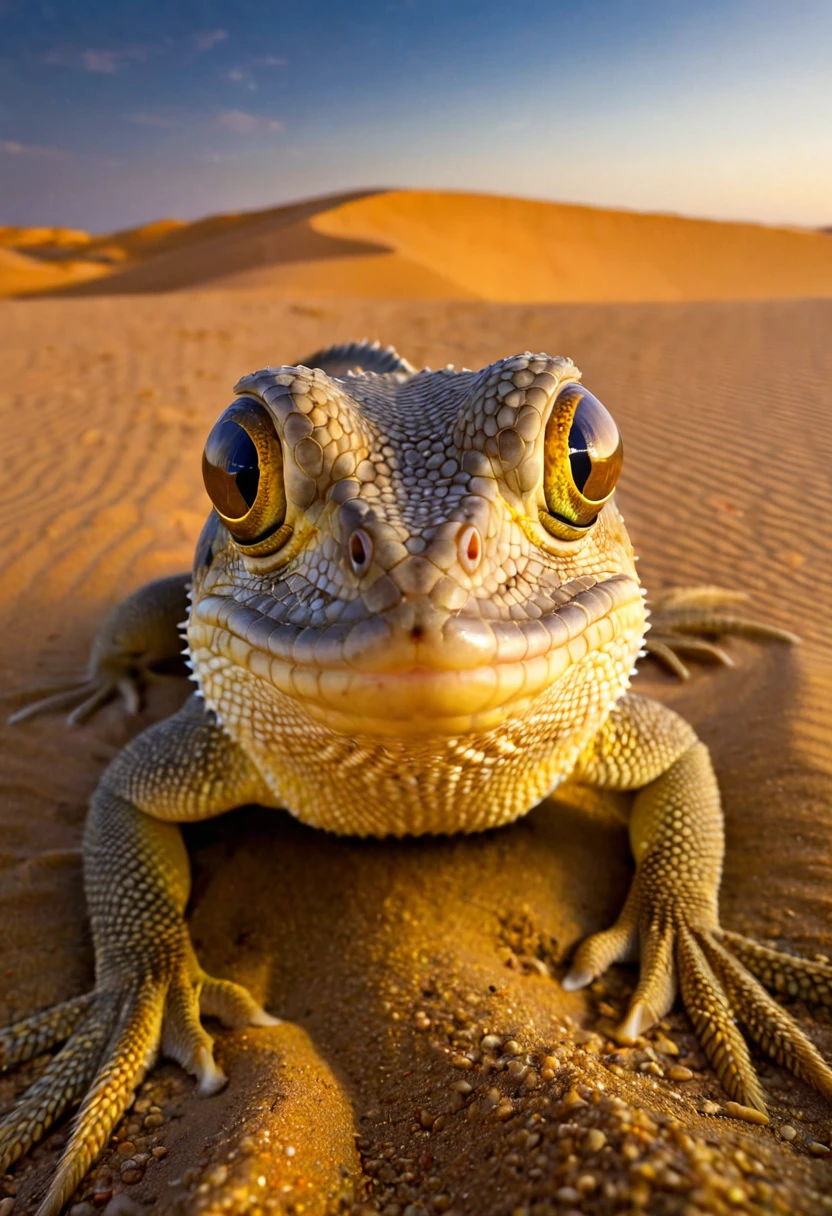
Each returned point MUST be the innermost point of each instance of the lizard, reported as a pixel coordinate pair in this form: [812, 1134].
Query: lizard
[413, 609]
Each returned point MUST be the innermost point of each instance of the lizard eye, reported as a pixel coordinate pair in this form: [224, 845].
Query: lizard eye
[583, 454]
[242, 467]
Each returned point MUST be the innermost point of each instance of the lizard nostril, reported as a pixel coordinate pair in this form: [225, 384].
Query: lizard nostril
[469, 545]
[360, 551]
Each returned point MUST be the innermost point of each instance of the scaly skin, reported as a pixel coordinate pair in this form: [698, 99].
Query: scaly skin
[449, 648]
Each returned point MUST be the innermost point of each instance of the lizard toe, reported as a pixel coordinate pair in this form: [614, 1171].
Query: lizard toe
[598, 952]
[684, 620]
[41, 1031]
[232, 1004]
[127, 1027]
[808, 979]
[185, 1039]
[711, 1012]
[74, 696]
[667, 648]
[57, 1089]
[767, 1022]
[83, 698]
[656, 988]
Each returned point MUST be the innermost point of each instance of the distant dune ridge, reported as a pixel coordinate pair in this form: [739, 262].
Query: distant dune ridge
[419, 244]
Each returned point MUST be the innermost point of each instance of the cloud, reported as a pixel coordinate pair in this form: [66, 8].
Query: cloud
[269, 61]
[97, 60]
[105, 61]
[240, 76]
[151, 118]
[239, 122]
[11, 147]
[207, 39]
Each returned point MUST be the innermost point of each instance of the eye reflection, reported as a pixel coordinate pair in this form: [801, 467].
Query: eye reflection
[596, 452]
[231, 469]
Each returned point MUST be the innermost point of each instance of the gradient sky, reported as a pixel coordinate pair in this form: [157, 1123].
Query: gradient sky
[113, 112]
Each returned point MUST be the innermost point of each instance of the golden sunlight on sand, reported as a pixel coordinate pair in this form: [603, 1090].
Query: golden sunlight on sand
[422, 245]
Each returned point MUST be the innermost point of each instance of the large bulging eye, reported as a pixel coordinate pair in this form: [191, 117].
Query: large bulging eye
[231, 469]
[583, 455]
[242, 467]
[596, 452]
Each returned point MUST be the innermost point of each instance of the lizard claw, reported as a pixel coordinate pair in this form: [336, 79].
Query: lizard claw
[719, 976]
[683, 619]
[137, 641]
[84, 697]
[110, 1040]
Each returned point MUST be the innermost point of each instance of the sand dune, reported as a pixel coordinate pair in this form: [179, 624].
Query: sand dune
[411, 244]
[42, 238]
[22, 275]
[507, 249]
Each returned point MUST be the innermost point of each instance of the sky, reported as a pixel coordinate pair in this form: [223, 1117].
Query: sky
[116, 112]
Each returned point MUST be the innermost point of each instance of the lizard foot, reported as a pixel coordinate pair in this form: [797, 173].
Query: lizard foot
[110, 1039]
[137, 641]
[684, 619]
[84, 696]
[719, 975]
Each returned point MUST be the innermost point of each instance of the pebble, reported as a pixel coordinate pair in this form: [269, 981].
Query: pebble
[735, 1110]
[153, 1120]
[567, 1194]
[131, 1172]
[159, 1151]
[594, 1140]
[421, 1020]
[573, 1098]
[678, 1072]
[458, 1061]
[511, 1048]
[665, 1045]
[123, 1205]
[817, 1149]
[788, 1132]
[490, 1042]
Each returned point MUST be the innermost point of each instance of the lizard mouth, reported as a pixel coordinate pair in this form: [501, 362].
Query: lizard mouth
[380, 678]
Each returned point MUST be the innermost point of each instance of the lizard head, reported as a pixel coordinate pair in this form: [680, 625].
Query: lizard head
[413, 554]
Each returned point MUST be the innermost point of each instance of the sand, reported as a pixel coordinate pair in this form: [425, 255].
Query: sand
[391, 961]
[433, 245]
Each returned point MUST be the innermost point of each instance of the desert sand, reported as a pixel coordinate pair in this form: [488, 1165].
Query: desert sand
[429, 245]
[391, 961]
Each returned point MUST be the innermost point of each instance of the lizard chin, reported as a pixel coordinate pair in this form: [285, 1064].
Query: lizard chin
[442, 691]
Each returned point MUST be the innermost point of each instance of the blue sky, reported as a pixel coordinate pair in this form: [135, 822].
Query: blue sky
[113, 112]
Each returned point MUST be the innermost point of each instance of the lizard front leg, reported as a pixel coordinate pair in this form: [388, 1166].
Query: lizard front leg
[671, 914]
[140, 635]
[149, 990]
